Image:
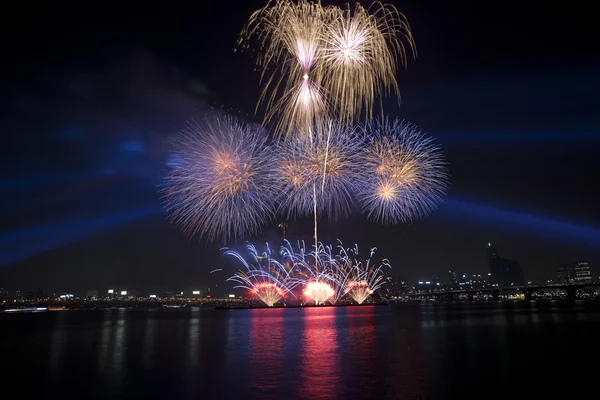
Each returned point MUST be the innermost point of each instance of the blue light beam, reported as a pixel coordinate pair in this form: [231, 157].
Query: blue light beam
[38, 240]
[512, 220]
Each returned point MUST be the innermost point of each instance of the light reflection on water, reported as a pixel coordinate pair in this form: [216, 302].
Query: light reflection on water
[377, 352]
[319, 372]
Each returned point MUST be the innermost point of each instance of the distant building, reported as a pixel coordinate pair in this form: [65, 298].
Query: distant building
[583, 273]
[427, 286]
[173, 293]
[3, 294]
[503, 272]
[452, 278]
[577, 272]
[18, 295]
[478, 281]
[39, 294]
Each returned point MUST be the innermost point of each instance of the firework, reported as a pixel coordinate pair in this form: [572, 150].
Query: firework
[356, 277]
[264, 276]
[325, 275]
[365, 279]
[359, 290]
[220, 183]
[361, 50]
[408, 170]
[326, 168]
[318, 292]
[290, 38]
[322, 59]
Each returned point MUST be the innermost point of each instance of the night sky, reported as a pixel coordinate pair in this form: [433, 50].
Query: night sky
[92, 97]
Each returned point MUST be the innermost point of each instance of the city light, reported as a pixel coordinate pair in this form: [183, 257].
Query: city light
[152, 296]
[123, 292]
[110, 291]
[232, 296]
[196, 292]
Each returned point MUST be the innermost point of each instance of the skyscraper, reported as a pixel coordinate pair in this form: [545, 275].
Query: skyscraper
[503, 272]
[577, 272]
[497, 269]
[583, 273]
[452, 278]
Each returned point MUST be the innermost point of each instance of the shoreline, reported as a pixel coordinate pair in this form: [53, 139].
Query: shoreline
[300, 306]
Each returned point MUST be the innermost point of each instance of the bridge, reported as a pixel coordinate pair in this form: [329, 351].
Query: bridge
[528, 290]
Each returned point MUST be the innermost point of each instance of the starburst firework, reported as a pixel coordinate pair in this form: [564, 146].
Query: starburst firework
[289, 36]
[327, 165]
[220, 184]
[361, 51]
[409, 173]
[323, 59]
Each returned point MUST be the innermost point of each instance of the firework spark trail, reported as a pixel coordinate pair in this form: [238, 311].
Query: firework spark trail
[289, 36]
[325, 59]
[332, 160]
[264, 276]
[360, 52]
[410, 173]
[221, 184]
[362, 278]
[325, 277]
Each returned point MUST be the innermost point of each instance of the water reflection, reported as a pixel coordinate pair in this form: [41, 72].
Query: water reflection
[149, 338]
[320, 366]
[194, 339]
[119, 342]
[105, 337]
[266, 345]
[406, 366]
[382, 352]
[362, 358]
[57, 343]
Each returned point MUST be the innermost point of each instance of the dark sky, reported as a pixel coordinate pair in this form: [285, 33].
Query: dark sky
[92, 97]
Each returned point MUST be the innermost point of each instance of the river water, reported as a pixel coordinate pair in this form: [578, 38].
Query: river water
[422, 351]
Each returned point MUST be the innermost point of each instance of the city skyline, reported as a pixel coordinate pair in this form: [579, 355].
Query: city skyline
[555, 274]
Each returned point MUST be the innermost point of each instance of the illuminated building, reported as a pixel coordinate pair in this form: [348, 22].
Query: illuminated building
[452, 279]
[577, 272]
[503, 272]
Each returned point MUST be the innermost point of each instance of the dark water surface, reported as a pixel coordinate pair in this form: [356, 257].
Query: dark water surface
[505, 350]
